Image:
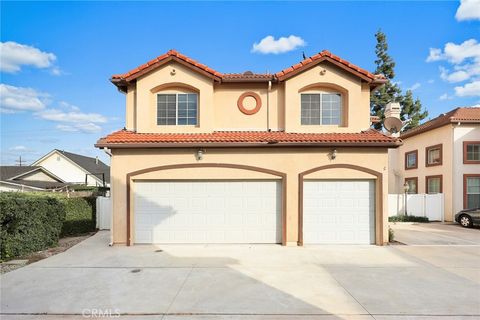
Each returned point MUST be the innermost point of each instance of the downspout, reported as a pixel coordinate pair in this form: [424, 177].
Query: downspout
[268, 104]
[109, 153]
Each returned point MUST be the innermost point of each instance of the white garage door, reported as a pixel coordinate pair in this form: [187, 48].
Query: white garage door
[339, 211]
[207, 212]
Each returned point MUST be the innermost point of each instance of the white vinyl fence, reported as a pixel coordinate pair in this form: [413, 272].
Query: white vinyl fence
[104, 213]
[424, 205]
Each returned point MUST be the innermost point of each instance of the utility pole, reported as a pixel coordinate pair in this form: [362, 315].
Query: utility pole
[20, 161]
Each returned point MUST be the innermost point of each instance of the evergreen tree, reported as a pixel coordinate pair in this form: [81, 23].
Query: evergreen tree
[390, 91]
[411, 109]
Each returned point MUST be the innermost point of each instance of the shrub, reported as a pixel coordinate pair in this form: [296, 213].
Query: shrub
[29, 223]
[391, 235]
[80, 216]
[404, 218]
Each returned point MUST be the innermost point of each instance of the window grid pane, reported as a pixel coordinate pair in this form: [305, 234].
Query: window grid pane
[473, 192]
[433, 156]
[473, 152]
[433, 185]
[411, 160]
[321, 109]
[166, 109]
[177, 109]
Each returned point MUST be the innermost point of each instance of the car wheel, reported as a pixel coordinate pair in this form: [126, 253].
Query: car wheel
[466, 221]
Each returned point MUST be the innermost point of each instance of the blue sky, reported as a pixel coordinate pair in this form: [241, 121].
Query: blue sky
[57, 57]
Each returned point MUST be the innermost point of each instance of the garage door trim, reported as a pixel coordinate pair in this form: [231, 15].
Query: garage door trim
[282, 175]
[378, 197]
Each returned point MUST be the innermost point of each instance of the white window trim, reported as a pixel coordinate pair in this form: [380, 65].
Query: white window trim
[176, 93]
[321, 107]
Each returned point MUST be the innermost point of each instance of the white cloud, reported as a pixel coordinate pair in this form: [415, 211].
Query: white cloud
[71, 116]
[445, 96]
[415, 86]
[464, 59]
[15, 55]
[14, 99]
[456, 76]
[431, 81]
[79, 127]
[73, 120]
[468, 10]
[283, 44]
[18, 148]
[471, 89]
[456, 53]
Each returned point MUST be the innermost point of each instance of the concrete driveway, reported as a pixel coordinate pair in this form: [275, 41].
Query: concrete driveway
[247, 282]
[436, 233]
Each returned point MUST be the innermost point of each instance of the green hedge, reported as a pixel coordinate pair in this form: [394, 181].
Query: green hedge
[407, 219]
[80, 216]
[29, 223]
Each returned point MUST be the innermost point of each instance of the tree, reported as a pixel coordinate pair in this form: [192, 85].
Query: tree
[411, 110]
[390, 91]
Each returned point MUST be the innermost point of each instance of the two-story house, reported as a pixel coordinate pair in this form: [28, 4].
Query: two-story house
[208, 157]
[441, 155]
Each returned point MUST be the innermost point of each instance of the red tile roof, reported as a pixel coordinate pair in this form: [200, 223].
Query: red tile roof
[124, 138]
[325, 55]
[248, 76]
[170, 55]
[462, 115]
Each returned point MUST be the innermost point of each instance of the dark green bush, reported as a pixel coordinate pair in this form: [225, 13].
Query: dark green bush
[403, 218]
[29, 223]
[80, 216]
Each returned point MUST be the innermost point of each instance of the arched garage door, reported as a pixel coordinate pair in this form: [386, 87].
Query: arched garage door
[339, 212]
[224, 211]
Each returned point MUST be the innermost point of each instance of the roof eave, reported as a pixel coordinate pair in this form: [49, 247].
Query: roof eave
[101, 144]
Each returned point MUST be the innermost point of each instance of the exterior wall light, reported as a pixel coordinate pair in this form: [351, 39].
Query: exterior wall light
[173, 72]
[333, 154]
[199, 154]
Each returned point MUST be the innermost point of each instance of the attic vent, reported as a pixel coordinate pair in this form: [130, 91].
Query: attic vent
[248, 73]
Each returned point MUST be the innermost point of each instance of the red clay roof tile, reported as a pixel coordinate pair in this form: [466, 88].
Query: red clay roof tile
[306, 63]
[369, 137]
[461, 114]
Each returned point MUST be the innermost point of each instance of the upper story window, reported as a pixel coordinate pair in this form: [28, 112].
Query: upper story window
[321, 109]
[471, 152]
[177, 109]
[433, 155]
[411, 160]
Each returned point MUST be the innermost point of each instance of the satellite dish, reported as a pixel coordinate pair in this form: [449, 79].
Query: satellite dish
[393, 124]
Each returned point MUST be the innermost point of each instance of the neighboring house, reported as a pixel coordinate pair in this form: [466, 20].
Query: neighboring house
[283, 158]
[441, 156]
[28, 178]
[75, 169]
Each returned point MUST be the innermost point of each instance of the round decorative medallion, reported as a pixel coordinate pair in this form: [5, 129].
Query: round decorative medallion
[258, 103]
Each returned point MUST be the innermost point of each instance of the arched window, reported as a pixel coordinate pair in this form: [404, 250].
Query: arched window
[321, 108]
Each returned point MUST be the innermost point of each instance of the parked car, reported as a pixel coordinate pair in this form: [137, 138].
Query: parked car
[468, 217]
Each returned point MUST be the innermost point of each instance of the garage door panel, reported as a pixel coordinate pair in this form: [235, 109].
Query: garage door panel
[211, 212]
[339, 211]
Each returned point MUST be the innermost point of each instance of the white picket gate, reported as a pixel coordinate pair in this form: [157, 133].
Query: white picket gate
[104, 213]
[424, 205]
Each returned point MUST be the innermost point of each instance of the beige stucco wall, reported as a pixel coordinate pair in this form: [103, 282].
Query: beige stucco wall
[357, 98]
[290, 161]
[229, 117]
[462, 132]
[146, 103]
[218, 101]
[442, 135]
